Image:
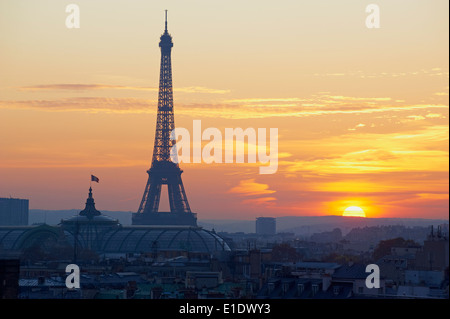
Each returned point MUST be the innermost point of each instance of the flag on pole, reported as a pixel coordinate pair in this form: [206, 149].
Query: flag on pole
[94, 179]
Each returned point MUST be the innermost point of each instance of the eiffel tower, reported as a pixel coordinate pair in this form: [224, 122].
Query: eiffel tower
[163, 170]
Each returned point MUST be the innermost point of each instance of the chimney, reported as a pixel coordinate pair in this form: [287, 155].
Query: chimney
[41, 280]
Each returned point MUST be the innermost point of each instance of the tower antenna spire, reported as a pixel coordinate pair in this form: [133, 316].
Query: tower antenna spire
[166, 21]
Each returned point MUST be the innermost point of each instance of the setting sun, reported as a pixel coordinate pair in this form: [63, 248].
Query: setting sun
[354, 211]
[366, 130]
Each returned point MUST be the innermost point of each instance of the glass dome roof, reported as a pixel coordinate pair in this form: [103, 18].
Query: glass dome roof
[141, 239]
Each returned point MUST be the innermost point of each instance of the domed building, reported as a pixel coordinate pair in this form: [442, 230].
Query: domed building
[92, 230]
[163, 238]
[19, 238]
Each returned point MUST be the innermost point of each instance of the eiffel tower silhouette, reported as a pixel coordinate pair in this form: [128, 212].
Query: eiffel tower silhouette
[163, 170]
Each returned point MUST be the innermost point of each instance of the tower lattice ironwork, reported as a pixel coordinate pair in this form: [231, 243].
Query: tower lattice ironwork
[163, 170]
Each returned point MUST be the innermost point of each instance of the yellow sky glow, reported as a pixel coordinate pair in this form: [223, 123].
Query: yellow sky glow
[362, 114]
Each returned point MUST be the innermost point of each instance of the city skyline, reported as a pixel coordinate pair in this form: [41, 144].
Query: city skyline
[362, 114]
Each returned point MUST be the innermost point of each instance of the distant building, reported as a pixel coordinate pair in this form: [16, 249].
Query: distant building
[13, 212]
[9, 278]
[356, 275]
[266, 226]
[430, 278]
[333, 236]
[435, 252]
[203, 279]
[318, 280]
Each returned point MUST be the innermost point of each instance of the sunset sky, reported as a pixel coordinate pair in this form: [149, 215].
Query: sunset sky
[362, 114]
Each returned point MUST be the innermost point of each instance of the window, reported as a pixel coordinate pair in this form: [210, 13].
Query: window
[285, 287]
[336, 290]
[315, 289]
[300, 288]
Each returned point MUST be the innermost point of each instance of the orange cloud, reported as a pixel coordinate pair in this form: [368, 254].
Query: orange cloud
[84, 87]
[260, 201]
[257, 108]
[378, 75]
[86, 104]
[249, 187]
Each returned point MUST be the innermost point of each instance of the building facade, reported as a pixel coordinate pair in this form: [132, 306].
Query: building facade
[266, 226]
[13, 212]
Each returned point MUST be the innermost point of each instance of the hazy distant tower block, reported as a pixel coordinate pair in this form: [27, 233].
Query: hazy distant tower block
[163, 171]
[266, 226]
[13, 211]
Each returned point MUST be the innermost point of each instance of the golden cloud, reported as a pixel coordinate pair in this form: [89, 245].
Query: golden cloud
[249, 187]
[255, 108]
[85, 87]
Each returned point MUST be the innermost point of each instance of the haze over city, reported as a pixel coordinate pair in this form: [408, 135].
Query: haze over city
[362, 114]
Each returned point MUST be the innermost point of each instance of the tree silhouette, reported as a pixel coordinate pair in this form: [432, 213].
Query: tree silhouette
[384, 246]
